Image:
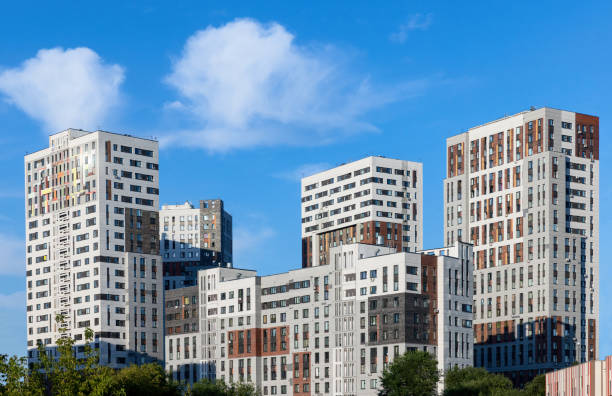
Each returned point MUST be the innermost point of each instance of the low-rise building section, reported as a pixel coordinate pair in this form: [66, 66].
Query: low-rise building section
[182, 326]
[332, 329]
[587, 379]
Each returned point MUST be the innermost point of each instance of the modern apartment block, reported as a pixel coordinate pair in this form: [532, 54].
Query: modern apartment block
[330, 329]
[193, 238]
[92, 245]
[524, 190]
[374, 200]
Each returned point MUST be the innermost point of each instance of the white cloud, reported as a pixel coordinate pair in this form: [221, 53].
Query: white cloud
[13, 255]
[249, 84]
[303, 171]
[15, 300]
[414, 22]
[70, 88]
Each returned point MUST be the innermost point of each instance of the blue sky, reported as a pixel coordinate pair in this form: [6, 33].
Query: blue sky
[247, 97]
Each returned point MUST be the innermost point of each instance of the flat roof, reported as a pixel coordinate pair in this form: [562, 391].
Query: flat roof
[87, 133]
[517, 114]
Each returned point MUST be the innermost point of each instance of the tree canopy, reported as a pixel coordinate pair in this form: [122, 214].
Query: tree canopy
[476, 381]
[69, 375]
[413, 374]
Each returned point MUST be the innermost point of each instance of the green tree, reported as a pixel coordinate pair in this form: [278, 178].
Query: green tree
[242, 389]
[146, 380]
[206, 387]
[61, 375]
[69, 375]
[473, 381]
[15, 378]
[413, 374]
[536, 387]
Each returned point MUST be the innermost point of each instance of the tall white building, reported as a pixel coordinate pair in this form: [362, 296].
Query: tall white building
[92, 241]
[524, 190]
[328, 329]
[374, 200]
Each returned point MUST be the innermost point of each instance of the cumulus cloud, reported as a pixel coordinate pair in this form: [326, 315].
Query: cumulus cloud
[414, 22]
[13, 255]
[249, 84]
[64, 88]
[303, 171]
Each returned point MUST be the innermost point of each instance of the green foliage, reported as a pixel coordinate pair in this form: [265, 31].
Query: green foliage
[472, 381]
[14, 378]
[207, 388]
[413, 374]
[241, 389]
[146, 380]
[219, 388]
[537, 386]
[68, 375]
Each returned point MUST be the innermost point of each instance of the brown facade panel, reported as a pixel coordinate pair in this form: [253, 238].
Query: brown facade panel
[109, 192]
[456, 160]
[366, 232]
[107, 150]
[307, 252]
[141, 231]
[587, 136]
[592, 340]
[301, 373]
[268, 341]
[428, 273]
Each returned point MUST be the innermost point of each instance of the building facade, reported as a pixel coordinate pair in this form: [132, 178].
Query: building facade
[524, 190]
[182, 327]
[374, 200]
[92, 245]
[193, 238]
[332, 329]
[592, 378]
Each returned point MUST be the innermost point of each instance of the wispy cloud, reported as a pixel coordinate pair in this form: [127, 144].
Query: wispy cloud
[13, 255]
[64, 88]
[295, 175]
[415, 22]
[249, 84]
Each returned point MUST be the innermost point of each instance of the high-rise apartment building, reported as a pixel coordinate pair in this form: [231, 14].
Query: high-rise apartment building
[193, 238]
[92, 244]
[328, 329]
[524, 190]
[374, 200]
